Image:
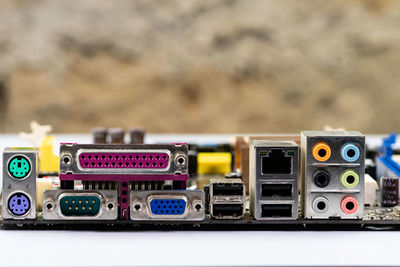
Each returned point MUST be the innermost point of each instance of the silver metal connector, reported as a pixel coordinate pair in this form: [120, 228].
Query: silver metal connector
[80, 205]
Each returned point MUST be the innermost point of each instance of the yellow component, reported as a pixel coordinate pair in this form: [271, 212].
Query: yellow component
[48, 162]
[42, 184]
[214, 163]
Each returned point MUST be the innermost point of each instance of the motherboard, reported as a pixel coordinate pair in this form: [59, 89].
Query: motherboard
[322, 180]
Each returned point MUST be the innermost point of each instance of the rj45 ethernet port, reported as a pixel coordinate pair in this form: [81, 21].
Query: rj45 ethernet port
[276, 162]
[276, 210]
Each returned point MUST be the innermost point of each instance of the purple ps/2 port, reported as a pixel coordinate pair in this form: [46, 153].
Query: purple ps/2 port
[19, 204]
[123, 160]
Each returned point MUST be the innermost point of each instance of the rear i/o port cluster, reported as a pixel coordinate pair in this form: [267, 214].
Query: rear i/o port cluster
[274, 180]
[146, 184]
[167, 205]
[333, 171]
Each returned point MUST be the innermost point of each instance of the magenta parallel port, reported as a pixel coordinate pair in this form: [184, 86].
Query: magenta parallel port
[123, 160]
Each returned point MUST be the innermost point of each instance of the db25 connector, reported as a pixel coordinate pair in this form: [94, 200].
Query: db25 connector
[103, 160]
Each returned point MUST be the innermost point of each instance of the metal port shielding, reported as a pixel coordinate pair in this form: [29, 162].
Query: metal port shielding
[80, 205]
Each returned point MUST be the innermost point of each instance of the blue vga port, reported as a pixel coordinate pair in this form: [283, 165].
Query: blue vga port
[165, 206]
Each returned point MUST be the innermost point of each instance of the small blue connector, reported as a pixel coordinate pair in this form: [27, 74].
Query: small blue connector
[168, 206]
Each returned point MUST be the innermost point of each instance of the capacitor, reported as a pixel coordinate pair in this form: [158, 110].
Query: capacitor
[389, 191]
[116, 135]
[99, 135]
[137, 135]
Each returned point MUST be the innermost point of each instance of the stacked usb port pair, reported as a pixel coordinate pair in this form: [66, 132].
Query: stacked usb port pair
[227, 198]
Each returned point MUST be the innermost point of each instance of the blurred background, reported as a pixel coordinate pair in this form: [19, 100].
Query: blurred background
[210, 66]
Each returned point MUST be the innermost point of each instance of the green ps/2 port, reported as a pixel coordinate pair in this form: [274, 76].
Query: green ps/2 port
[80, 205]
[19, 167]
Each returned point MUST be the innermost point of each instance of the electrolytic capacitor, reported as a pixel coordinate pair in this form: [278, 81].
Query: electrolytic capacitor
[116, 135]
[99, 135]
[389, 191]
[137, 135]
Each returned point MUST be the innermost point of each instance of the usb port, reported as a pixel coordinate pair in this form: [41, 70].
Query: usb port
[227, 189]
[222, 210]
[276, 190]
[276, 210]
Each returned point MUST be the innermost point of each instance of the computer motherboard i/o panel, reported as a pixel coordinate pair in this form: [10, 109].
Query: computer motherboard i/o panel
[317, 180]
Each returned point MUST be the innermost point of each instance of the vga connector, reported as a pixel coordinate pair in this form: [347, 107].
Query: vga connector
[167, 205]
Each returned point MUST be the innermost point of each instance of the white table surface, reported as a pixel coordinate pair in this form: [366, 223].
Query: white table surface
[85, 248]
[193, 248]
